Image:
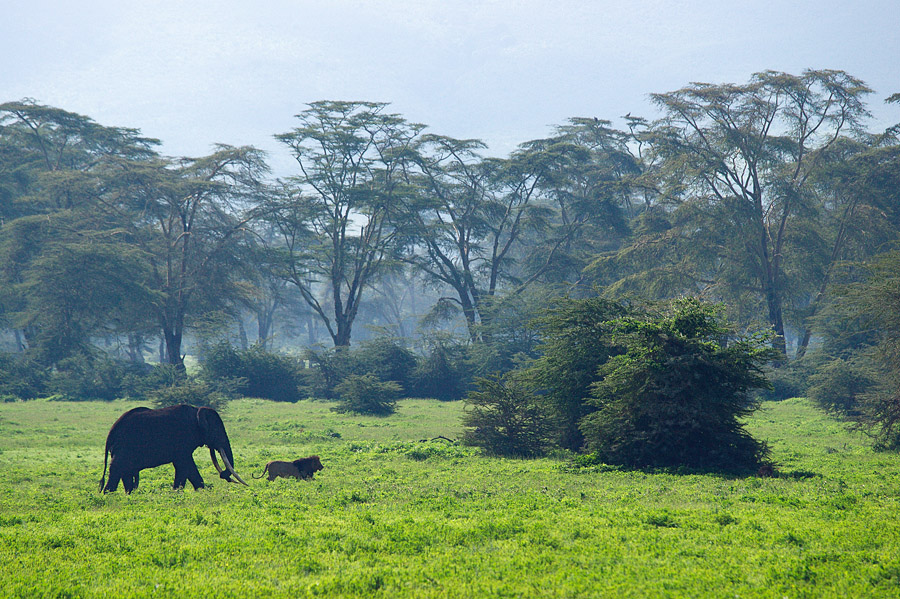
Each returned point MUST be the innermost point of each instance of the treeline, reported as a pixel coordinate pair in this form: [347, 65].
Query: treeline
[770, 197]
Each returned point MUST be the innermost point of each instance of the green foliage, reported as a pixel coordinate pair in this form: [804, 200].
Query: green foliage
[873, 300]
[577, 340]
[264, 374]
[841, 386]
[21, 377]
[81, 378]
[388, 360]
[329, 366]
[196, 392]
[677, 395]
[504, 419]
[86, 378]
[445, 373]
[365, 394]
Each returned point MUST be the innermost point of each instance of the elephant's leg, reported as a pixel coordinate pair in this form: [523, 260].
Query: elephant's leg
[187, 470]
[129, 481]
[115, 475]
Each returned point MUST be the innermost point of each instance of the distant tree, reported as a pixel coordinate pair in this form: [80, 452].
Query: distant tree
[336, 217]
[736, 166]
[504, 419]
[193, 217]
[873, 302]
[486, 227]
[67, 269]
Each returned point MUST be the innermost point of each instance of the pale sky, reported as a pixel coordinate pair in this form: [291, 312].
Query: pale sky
[193, 73]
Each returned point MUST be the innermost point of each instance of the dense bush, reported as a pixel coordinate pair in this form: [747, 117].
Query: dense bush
[365, 394]
[444, 374]
[82, 378]
[21, 377]
[329, 367]
[577, 340]
[789, 380]
[264, 374]
[503, 418]
[840, 386]
[194, 392]
[388, 361]
[678, 394]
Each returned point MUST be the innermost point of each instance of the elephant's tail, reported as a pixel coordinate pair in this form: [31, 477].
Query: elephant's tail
[261, 475]
[105, 458]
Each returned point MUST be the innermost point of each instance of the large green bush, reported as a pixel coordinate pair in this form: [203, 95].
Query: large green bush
[841, 386]
[387, 360]
[577, 340]
[365, 394]
[328, 368]
[678, 394]
[21, 377]
[264, 374]
[445, 373]
[196, 392]
[504, 419]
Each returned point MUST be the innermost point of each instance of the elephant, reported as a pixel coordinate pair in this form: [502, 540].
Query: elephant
[303, 468]
[144, 438]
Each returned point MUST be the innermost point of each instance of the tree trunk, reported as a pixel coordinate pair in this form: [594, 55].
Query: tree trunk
[173, 347]
[242, 334]
[20, 341]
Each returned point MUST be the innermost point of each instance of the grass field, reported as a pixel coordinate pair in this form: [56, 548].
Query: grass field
[391, 516]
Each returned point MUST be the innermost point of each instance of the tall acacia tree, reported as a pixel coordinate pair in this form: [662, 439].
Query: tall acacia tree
[52, 182]
[744, 155]
[188, 216]
[489, 227]
[336, 217]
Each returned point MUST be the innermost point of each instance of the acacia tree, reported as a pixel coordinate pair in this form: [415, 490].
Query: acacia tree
[742, 156]
[67, 270]
[188, 216]
[487, 226]
[336, 218]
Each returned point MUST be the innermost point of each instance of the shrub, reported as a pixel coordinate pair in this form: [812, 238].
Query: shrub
[82, 377]
[196, 392]
[577, 340]
[365, 394]
[21, 377]
[444, 374]
[140, 382]
[676, 397]
[840, 386]
[329, 368]
[265, 374]
[388, 361]
[503, 419]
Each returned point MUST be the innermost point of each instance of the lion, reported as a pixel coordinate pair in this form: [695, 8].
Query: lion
[303, 468]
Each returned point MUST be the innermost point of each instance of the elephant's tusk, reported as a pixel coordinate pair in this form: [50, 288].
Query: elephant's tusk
[231, 469]
[212, 454]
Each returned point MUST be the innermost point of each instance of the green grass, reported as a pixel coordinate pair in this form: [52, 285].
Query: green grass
[391, 516]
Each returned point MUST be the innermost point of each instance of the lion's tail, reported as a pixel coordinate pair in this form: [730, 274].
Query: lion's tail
[266, 469]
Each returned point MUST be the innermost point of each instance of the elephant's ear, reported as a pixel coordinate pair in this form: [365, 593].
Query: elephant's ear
[208, 419]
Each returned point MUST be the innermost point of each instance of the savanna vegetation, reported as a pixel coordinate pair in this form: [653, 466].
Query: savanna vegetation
[629, 314]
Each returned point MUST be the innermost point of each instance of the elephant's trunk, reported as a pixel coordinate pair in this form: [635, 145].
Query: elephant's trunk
[228, 465]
